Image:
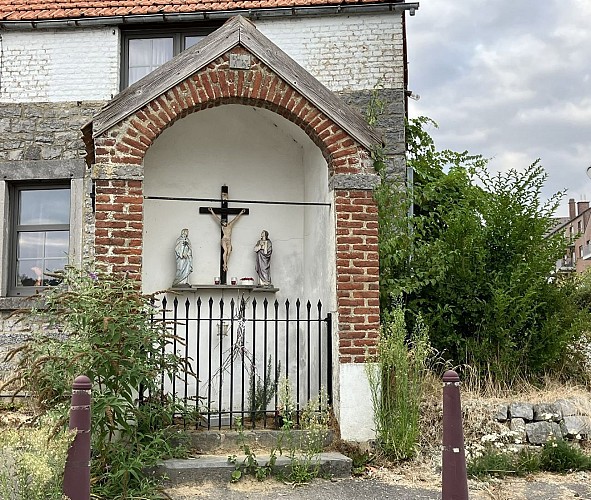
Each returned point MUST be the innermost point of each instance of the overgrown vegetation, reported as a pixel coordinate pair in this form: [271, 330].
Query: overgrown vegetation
[302, 449]
[99, 325]
[475, 262]
[555, 456]
[33, 461]
[396, 382]
[262, 390]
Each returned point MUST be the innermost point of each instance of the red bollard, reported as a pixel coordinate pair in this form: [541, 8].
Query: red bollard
[455, 479]
[77, 471]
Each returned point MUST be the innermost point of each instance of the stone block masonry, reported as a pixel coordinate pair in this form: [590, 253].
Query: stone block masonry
[536, 424]
[44, 131]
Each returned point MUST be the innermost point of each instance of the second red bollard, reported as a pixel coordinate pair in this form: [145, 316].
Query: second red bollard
[455, 479]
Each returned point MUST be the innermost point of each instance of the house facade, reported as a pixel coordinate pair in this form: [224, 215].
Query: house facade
[123, 124]
[577, 234]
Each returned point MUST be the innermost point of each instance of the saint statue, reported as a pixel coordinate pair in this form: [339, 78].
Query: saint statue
[184, 259]
[226, 235]
[263, 250]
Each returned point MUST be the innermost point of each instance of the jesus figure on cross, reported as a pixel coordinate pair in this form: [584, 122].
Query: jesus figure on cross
[226, 235]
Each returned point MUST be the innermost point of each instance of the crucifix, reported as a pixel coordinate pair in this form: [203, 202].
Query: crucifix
[221, 214]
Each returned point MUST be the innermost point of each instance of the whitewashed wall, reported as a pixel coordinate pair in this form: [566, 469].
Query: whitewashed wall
[260, 156]
[345, 52]
[352, 52]
[59, 65]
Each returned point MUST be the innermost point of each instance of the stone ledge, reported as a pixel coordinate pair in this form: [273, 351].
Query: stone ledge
[215, 468]
[18, 303]
[366, 182]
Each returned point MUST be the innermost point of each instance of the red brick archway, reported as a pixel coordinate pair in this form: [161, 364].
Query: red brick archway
[119, 200]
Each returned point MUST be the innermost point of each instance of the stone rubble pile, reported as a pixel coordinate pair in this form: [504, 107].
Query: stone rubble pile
[537, 424]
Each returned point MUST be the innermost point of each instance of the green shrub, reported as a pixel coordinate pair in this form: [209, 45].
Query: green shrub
[502, 463]
[475, 260]
[100, 325]
[555, 456]
[396, 385]
[560, 456]
[33, 463]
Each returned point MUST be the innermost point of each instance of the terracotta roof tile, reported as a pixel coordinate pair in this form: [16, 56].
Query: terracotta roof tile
[15, 10]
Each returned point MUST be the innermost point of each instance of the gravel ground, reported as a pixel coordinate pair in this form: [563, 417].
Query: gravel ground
[538, 487]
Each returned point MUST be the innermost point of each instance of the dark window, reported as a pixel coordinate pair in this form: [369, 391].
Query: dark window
[40, 236]
[144, 50]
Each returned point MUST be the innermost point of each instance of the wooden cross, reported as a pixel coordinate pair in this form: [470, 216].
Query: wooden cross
[225, 229]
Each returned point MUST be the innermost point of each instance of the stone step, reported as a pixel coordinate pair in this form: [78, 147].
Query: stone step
[227, 441]
[217, 468]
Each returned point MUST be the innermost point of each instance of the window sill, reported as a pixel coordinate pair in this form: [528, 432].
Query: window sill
[24, 303]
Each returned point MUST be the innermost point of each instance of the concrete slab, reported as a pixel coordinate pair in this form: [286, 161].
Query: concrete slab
[217, 468]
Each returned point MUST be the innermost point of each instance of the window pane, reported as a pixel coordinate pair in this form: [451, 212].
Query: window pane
[192, 40]
[30, 272]
[57, 244]
[30, 245]
[44, 206]
[146, 54]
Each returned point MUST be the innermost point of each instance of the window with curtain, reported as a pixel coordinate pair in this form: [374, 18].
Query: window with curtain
[145, 50]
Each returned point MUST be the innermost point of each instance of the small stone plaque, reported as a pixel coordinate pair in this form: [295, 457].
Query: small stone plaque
[239, 61]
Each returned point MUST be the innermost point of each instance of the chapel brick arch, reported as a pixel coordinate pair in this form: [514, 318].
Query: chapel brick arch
[216, 85]
[125, 130]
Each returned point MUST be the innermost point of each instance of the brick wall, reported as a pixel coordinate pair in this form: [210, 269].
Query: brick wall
[119, 226]
[119, 202]
[358, 295]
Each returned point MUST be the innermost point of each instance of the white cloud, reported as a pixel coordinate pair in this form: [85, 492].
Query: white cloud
[509, 80]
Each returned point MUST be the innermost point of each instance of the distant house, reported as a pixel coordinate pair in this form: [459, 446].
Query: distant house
[122, 123]
[577, 233]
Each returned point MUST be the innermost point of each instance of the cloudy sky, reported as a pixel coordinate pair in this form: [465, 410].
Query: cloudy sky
[509, 79]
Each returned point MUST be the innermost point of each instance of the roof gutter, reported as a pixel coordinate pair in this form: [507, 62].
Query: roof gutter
[210, 15]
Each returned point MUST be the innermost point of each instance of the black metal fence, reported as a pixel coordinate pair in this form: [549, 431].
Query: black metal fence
[243, 355]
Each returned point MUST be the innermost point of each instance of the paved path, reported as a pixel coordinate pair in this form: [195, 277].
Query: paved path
[541, 487]
[319, 489]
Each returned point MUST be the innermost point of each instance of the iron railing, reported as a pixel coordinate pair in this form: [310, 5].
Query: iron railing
[239, 352]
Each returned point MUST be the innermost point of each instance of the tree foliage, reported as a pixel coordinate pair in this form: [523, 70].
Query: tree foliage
[475, 261]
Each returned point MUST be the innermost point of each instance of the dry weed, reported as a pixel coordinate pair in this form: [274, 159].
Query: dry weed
[479, 401]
